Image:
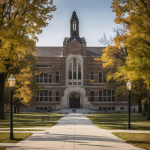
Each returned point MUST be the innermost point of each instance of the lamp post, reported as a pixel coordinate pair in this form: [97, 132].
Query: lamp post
[11, 82]
[129, 108]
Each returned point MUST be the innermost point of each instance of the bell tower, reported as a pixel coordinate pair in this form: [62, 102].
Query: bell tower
[74, 25]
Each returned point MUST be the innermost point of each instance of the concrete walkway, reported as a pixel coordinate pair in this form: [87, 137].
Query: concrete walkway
[73, 132]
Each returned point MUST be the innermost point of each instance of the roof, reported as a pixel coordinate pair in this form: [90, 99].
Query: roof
[74, 16]
[48, 51]
[56, 51]
[75, 37]
[94, 51]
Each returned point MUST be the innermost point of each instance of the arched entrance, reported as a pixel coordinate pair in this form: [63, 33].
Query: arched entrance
[74, 100]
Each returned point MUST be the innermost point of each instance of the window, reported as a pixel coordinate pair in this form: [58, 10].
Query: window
[102, 77]
[36, 108]
[41, 108]
[74, 69]
[57, 96]
[74, 25]
[57, 76]
[113, 108]
[92, 95]
[37, 78]
[45, 108]
[92, 75]
[106, 95]
[50, 95]
[109, 95]
[41, 95]
[44, 95]
[44, 78]
[70, 71]
[100, 108]
[121, 108]
[100, 96]
[113, 95]
[79, 71]
[74, 72]
[41, 78]
[43, 66]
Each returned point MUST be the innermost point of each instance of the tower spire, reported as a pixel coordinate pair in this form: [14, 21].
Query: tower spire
[74, 25]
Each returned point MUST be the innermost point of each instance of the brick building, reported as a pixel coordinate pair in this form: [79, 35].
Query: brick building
[65, 74]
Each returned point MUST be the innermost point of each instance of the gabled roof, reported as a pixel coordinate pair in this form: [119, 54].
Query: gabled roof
[75, 37]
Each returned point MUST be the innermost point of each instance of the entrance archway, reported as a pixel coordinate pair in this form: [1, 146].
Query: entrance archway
[74, 100]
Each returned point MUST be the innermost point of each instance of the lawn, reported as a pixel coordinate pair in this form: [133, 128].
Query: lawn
[30, 119]
[118, 117]
[22, 129]
[98, 120]
[28, 125]
[113, 126]
[2, 148]
[32, 116]
[141, 140]
[4, 137]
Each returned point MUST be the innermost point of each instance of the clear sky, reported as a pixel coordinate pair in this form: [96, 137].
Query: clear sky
[95, 19]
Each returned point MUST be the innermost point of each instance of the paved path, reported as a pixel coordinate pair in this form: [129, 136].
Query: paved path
[73, 132]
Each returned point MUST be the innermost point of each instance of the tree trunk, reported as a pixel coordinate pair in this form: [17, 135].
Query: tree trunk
[2, 86]
[139, 105]
[148, 111]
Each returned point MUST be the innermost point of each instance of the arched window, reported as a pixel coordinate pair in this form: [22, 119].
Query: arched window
[74, 72]
[74, 68]
[74, 25]
[70, 71]
[79, 71]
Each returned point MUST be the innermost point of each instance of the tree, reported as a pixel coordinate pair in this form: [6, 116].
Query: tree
[114, 58]
[20, 21]
[135, 15]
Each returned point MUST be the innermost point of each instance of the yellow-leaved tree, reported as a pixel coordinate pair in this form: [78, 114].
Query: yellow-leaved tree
[20, 21]
[135, 16]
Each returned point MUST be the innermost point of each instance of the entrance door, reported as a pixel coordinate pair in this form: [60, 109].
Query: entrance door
[74, 100]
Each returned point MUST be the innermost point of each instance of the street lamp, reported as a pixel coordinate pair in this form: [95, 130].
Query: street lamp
[129, 89]
[11, 82]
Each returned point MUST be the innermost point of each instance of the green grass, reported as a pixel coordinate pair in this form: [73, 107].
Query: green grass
[118, 117]
[113, 126]
[141, 140]
[22, 130]
[24, 119]
[2, 148]
[28, 125]
[4, 137]
[32, 117]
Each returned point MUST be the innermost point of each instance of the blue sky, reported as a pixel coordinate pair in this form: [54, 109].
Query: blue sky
[95, 19]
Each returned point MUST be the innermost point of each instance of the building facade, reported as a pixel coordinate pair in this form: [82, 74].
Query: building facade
[65, 74]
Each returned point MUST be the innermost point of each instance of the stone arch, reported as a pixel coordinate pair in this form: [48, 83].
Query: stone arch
[69, 59]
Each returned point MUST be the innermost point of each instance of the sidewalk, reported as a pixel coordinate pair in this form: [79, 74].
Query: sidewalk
[73, 132]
